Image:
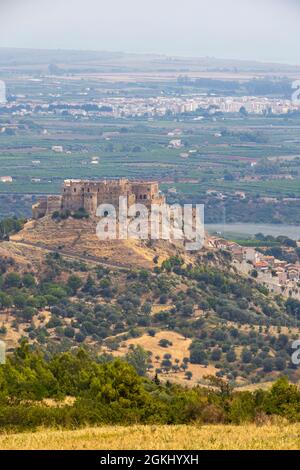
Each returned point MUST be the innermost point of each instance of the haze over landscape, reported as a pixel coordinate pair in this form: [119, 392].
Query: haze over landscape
[265, 30]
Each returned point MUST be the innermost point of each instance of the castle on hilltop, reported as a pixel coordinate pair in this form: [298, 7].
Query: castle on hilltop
[89, 194]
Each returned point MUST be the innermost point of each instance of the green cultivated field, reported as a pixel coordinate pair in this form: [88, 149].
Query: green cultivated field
[217, 150]
[140, 150]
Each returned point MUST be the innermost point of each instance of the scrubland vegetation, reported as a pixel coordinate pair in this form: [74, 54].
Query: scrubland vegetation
[233, 324]
[105, 392]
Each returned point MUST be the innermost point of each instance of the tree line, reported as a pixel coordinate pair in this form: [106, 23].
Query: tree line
[106, 391]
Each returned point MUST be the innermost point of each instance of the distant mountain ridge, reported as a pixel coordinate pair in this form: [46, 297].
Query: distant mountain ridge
[14, 57]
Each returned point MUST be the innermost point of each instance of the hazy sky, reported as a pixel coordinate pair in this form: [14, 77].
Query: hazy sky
[246, 29]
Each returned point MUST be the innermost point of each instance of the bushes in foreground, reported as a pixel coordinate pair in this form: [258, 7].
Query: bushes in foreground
[111, 392]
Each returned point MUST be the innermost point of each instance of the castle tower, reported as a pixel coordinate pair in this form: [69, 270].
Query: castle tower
[89, 195]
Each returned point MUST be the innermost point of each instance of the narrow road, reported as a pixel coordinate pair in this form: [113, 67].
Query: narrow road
[73, 255]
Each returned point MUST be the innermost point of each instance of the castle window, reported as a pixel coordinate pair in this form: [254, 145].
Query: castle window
[74, 190]
[145, 196]
[141, 196]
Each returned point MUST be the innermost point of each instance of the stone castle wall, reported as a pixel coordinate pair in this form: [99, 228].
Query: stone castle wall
[77, 194]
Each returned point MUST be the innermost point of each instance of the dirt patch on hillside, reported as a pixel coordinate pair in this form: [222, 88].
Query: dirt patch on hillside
[79, 237]
[178, 349]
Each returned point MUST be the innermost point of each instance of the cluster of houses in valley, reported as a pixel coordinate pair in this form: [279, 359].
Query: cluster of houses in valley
[280, 277]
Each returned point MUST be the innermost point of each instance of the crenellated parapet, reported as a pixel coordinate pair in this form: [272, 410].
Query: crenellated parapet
[89, 194]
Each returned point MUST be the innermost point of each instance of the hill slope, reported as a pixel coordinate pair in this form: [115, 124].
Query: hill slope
[62, 288]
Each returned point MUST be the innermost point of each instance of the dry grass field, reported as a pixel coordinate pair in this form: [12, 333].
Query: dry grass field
[178, 350]
[218, 437]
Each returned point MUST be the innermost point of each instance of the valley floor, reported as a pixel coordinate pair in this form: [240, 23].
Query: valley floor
[212, 437]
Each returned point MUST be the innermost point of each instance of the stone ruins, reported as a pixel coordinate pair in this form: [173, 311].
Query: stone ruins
[89, 194]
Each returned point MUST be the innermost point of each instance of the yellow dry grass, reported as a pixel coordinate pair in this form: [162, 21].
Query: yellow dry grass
[160, 308]
[218, 437]
[79, 236]
[273, 330]
[178, 350]
[13, 335]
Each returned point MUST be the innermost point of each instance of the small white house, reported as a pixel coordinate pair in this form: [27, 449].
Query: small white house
[175, 143]
[6, 179]
[57, 148]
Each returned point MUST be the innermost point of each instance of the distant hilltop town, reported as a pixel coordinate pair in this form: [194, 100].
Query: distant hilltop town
[89, 194]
